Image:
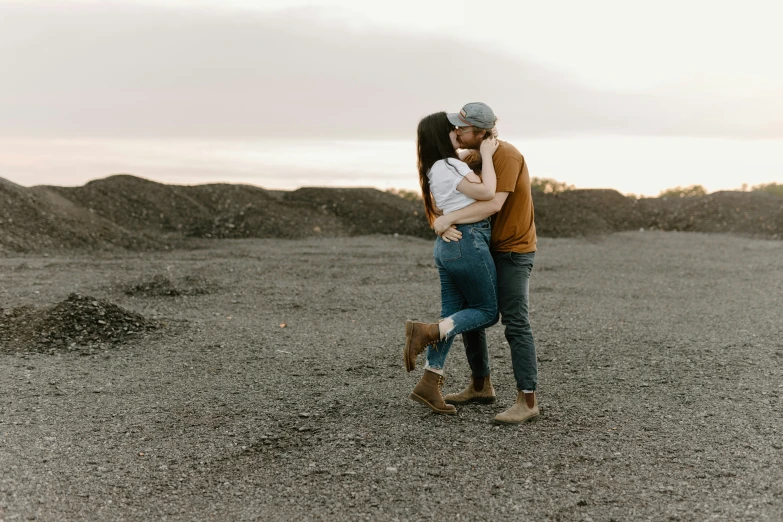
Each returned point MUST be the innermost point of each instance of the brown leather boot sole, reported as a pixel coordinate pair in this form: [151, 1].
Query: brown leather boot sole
[430, 405]
[476, 400]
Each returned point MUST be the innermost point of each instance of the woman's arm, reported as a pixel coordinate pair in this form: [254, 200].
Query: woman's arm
[482, 188]
[475, 187]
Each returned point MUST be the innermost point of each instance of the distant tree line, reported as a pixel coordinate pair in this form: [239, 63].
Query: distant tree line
[772, 188]
[410, 195]
[546, 185]
[550, 186]
[684, 192]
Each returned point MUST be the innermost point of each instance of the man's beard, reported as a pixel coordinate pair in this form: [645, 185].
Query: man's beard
[472, 144]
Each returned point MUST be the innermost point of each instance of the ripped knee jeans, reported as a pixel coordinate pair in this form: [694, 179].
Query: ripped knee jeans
[468, 286]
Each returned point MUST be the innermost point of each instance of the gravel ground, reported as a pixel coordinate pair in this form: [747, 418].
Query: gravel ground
[280, 394]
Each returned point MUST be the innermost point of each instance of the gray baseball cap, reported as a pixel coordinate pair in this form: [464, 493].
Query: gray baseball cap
[477, 114]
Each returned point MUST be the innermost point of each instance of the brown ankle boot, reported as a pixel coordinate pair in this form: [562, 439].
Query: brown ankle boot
[479, 390]
[427, 392]
[417, 337]
[519, 412]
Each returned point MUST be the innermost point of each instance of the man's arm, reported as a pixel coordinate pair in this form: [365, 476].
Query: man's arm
[470, 214]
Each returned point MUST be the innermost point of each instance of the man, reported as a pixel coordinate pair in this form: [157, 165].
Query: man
[513, 247]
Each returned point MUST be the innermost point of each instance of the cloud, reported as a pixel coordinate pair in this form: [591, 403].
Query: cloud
[98, 70]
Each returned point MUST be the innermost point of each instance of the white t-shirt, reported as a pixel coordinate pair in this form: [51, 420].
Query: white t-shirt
[443, 184]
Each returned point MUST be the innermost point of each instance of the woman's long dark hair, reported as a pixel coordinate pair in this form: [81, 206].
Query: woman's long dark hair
[433, 144]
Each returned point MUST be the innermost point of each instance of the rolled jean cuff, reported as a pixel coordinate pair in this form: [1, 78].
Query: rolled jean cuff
[433, 369]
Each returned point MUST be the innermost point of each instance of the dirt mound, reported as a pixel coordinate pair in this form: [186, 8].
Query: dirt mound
[77, 321]
[618, 211]
[137, 204]
[133, 213]
[756, 214]
[162, 286]
[211, 211]
[273, 218]
[223, 198]
[367, 210]
[585, 212]
[557, 217]
[314, 211]
[35, 219]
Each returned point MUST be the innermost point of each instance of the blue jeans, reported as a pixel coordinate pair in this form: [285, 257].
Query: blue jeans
[513, 271]
[468, 286]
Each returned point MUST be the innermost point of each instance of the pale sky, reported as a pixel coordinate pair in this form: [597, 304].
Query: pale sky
[359, 70]
[666, 44]
[243, 68]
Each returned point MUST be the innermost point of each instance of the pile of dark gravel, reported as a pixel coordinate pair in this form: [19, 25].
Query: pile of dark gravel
[162, 286]
[270, 219]
[38, 219]
[754, 214]
[76, 322]
[582, 213]
[133, 213]
[366, 210]
[575, 213]
[218, 210]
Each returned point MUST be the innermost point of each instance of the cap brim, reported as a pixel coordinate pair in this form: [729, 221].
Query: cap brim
[454, 119]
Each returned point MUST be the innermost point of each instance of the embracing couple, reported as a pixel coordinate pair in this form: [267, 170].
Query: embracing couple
[477, 197]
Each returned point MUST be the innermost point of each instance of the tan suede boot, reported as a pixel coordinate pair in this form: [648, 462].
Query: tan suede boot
[479, 390]
[519, 412]
[427, 392]
[417, 337]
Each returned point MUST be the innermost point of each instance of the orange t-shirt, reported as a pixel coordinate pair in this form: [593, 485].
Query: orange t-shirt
[513, 227]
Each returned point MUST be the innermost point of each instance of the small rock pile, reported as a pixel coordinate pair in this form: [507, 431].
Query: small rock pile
[76, 322]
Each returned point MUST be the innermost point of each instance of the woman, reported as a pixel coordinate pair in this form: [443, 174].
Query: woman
[468, 282]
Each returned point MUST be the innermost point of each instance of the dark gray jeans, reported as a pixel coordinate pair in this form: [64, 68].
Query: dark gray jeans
[513, 272]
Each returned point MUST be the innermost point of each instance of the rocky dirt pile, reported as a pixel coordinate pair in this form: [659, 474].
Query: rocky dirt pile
[162, 286]
[577, 213]
[133, 213]
[78, 321]
[230, 211]
[134, 203]
[36, 219]
[586, 212]
[366, 210]
[271, 218]
[139, 204]
[755, 214]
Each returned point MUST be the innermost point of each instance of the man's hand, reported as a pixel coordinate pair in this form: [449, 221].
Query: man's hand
[451, 234]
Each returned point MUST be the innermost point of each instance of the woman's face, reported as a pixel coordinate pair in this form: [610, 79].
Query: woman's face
[453, 137]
